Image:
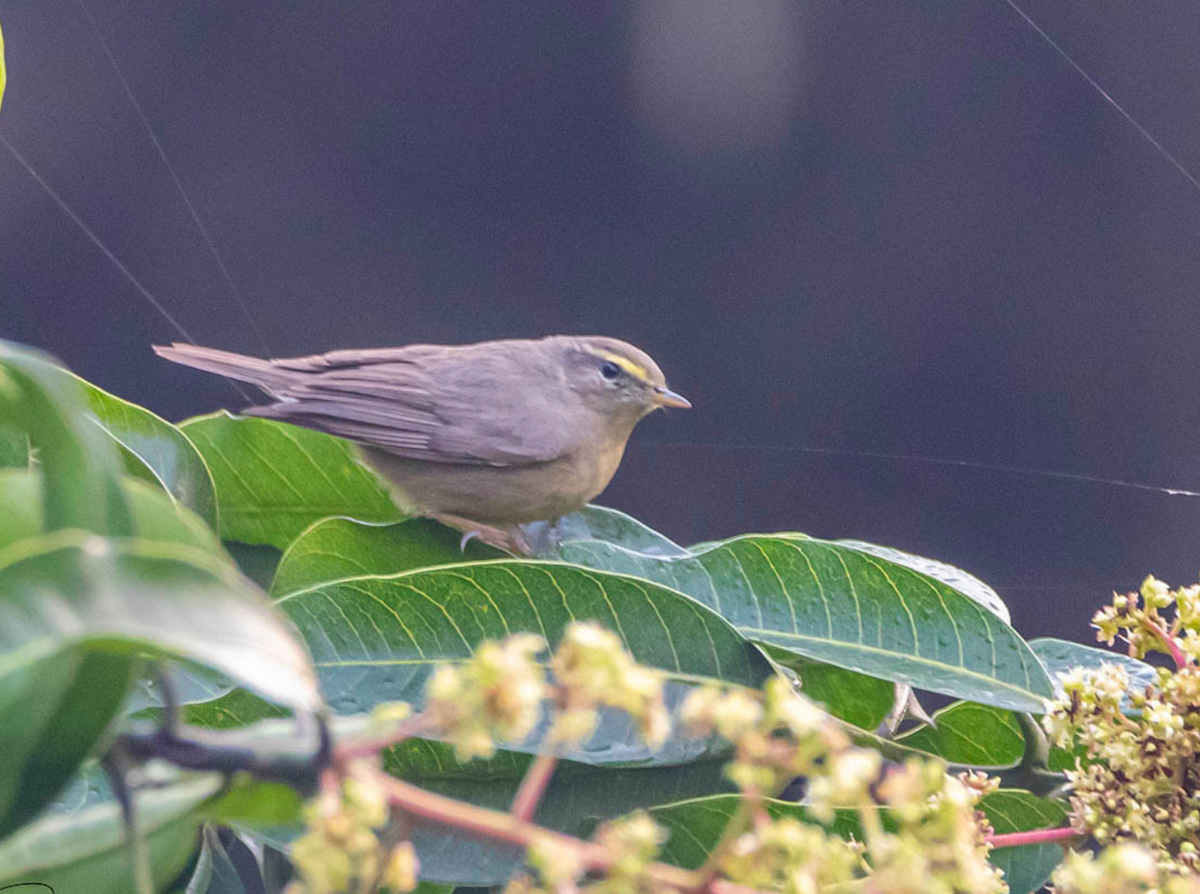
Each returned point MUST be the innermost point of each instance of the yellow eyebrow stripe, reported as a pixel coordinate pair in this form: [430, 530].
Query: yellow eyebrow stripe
[638, 372]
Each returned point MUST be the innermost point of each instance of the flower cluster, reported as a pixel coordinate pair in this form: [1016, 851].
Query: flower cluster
[495, 696]
[912, 828]
[1140, 781]
[1138, 619]
[341, 853]
[1120, 869]
[933, 840]
[592, 668]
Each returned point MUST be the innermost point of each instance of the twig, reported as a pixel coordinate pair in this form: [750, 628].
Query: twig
[1180, 659]
[533, 786]
[491, 824]
[371, 744]
[1033, 836]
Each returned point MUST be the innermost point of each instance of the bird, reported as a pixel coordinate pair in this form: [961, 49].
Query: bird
[482, 437]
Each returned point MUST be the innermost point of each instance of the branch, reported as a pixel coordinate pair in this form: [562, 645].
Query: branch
[1033, 836]
[1177, 655]
[491, 824]
[533, 786]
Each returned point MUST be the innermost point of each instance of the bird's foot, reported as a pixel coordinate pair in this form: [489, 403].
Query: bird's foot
[510, 540]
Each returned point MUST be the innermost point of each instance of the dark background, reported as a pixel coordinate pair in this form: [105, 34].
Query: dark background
[902, 228]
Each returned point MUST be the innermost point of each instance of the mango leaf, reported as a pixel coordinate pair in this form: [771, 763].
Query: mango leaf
[607, 525]
[70, 588]
[274, 480]
[1027, 867]
[14, 448]
[335, 548]
[1059, 656]
[378, 638]
[842, 606]
[859, 700]
[695, 826]
[75, 609]
[80, 466]
[154, 516]
[962, 581]
[969, 733]
[154, 449]
[88, 851]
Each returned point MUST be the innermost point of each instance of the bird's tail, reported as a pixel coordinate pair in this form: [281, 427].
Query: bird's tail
[262, 373]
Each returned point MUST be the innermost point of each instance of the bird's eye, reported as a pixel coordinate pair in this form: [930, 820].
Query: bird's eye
[609, 370]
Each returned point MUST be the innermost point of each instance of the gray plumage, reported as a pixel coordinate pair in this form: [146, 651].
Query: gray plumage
[500, 431]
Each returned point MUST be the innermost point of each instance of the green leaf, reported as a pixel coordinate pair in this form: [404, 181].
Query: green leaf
[155, 516]
[859, 700]
[842, 606]
[79, 462]
[696, 825]
[336, 548]
[230, 710]
[88, 852]
[607, 525]
[53, 708]
[75, 610]
[154, 449]
[1059, 656]
[962, 581]
[71, 588]
[1028, 867]
[274, 480]
[14, 448]
[969, 733]
[378, 638]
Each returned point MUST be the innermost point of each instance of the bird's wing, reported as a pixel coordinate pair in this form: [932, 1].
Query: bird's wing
[425, 402]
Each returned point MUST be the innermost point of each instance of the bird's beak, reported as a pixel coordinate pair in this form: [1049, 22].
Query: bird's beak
[665, 397]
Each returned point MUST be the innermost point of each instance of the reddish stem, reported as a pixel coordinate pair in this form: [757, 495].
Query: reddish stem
[1177, 655]
[1033, 836]
[533, 786]
[371, 744]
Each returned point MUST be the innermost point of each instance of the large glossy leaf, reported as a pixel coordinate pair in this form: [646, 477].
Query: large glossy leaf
[54, 706]
[274, 480]
[859, 700]
[377, 638]
[1060, 656]
[695, 826]
[1026, 868]
[155, 516]
[154, 449]
[88, 852]
[76, 608]
[14, 448]
[336, 548]
[956, 578]
[80, 466]
[969, 733]
[842, 606]
[70, 588]
[607, 525]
